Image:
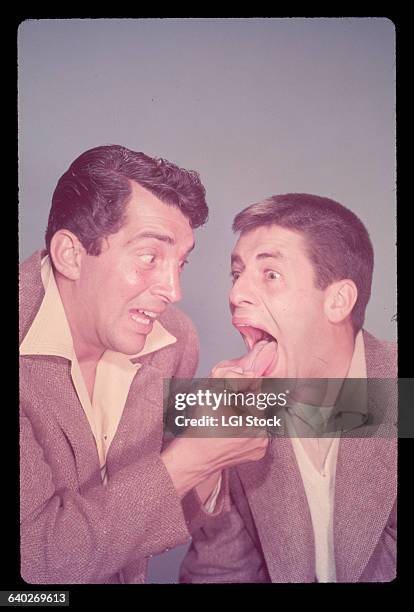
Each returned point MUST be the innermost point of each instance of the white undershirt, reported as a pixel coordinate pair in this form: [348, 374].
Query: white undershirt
[320, 492]
[317, 458]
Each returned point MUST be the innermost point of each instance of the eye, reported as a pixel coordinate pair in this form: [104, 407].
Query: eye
[234, 275]
[147, 258]
[271, 275]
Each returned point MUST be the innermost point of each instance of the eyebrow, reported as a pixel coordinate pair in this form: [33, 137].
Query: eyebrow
[273, 255]
[236, 259]
[161, 237]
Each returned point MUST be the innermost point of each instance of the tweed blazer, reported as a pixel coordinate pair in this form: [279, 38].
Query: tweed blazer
[268, 537]
[73, 529]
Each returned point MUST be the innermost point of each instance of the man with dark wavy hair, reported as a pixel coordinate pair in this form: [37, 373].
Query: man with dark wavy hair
[98, 334]
[321, 505]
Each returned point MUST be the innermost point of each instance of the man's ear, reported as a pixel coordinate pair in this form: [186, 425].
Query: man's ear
[66, 252]
[340, 298]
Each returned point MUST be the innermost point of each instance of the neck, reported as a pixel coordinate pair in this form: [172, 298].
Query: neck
[335, 354]
[87, 351]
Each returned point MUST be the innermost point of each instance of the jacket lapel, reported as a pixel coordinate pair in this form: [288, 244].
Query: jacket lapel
[366, 474]
[61, 399]
[279, 507]
[366, 486]
[140, 428]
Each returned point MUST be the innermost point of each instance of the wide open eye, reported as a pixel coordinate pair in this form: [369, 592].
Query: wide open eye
[148, 258]
[272, 275]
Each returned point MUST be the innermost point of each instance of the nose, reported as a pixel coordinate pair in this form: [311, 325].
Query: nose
[169, 287]
[242, 293]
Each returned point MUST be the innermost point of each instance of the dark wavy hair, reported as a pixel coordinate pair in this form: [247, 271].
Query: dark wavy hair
[91, 196]
[337, 242]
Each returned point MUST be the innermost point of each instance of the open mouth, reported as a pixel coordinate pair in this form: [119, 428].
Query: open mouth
[143, 317]
[253, 335]
[262, 346]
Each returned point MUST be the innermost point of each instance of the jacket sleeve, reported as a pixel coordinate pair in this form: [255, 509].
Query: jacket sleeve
[68, 537]
[224, 551]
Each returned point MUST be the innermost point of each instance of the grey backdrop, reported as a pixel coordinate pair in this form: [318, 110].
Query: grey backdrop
[257, 106]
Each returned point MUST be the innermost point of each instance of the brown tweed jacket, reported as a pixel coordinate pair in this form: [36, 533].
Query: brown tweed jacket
[268, 537]
[73, 529]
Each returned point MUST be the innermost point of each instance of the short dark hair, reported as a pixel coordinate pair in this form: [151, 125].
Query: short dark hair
[91, 196]
[337, 242]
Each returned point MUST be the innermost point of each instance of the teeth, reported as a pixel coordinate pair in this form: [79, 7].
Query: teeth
[140, 319]
[148, 313]
[145, 318]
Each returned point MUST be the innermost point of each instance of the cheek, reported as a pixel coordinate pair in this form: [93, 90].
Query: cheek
[131, 278]
[278, 302]
[133, 281]
[289, 312]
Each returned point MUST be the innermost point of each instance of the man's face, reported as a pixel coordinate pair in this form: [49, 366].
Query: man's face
[137, 274]
[274, 294]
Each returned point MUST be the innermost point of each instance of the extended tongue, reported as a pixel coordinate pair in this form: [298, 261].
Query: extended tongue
[259, 359]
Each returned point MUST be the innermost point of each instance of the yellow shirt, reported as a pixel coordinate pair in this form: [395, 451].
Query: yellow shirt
[50, 334]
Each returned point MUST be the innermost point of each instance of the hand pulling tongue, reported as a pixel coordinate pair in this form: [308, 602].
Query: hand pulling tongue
[260, 358]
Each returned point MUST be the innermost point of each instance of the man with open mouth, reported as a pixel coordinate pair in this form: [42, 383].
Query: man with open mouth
[321, 505]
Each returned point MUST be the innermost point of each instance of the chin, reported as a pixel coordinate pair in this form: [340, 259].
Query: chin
[130, 347]
[279, 370]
